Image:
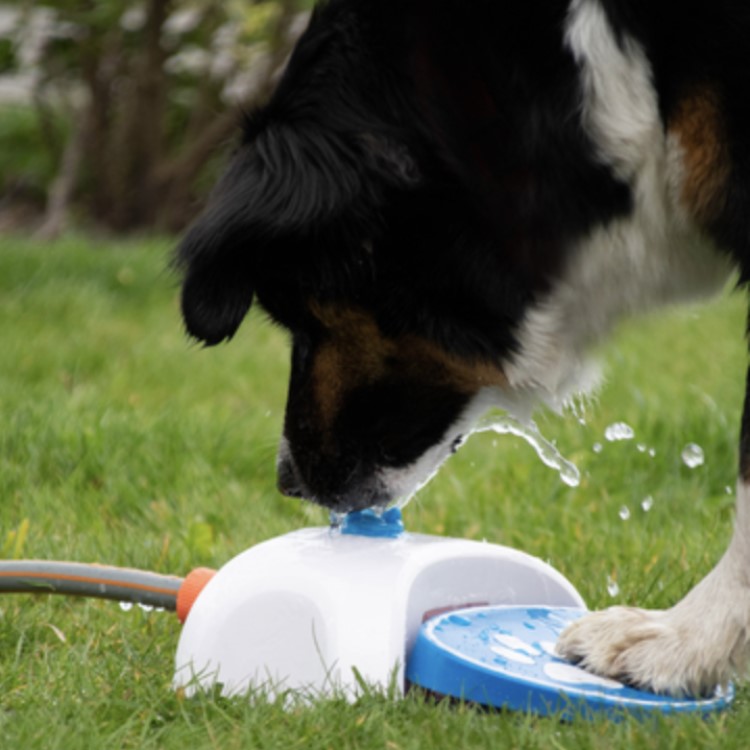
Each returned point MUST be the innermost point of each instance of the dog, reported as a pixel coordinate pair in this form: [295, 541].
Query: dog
[447, 205]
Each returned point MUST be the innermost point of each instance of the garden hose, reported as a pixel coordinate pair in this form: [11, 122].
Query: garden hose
[104, 582]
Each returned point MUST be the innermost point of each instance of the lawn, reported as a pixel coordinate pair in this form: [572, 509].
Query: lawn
[123, 443]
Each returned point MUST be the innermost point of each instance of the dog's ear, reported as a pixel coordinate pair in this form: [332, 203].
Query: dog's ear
[285, 188]
[216, 290]
[214, 257]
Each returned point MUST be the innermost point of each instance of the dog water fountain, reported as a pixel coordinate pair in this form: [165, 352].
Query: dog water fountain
[326, 611]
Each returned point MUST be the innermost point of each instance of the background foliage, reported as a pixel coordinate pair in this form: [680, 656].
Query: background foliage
[120, 110]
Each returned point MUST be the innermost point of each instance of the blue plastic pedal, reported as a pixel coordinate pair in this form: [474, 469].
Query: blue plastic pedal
[504, 657]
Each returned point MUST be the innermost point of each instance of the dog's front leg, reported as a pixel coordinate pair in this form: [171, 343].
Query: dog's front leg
[696, 645]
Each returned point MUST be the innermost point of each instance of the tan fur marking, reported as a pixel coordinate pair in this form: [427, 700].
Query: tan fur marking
[357, 353]
[697, 123]
[354, 354]
[448, 369]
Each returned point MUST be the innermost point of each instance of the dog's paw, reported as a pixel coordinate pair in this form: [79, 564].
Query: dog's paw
[651, 650]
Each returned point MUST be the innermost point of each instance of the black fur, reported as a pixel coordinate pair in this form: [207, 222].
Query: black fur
[452, 149]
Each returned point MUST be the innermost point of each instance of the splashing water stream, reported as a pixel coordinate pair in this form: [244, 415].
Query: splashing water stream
[501, 425]
[547, 451]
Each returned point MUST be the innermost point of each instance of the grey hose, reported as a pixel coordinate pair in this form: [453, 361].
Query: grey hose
[79, 579]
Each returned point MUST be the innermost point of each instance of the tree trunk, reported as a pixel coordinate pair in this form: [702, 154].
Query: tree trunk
[136, 145]
[62, 189]
[152, 85]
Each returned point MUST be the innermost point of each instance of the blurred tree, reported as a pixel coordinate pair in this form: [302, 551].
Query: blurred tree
[149, 92]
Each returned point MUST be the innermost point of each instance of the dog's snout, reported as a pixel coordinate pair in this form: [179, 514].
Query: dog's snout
[333, 483]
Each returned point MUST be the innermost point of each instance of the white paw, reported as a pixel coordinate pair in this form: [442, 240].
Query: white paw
[660, 651]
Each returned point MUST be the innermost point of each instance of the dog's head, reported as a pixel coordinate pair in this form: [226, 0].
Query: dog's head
[370, 268]
[399, 208]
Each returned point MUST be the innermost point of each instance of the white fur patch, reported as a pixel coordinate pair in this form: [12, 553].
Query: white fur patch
[689, 649]
[403, 483]
[650, 258]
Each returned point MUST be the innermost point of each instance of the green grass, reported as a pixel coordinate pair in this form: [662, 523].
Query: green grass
[123, 443]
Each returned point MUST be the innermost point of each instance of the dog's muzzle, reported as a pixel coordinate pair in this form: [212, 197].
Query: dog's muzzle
[356, 489]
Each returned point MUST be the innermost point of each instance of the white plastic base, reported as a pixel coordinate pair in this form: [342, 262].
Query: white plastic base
[318, 611]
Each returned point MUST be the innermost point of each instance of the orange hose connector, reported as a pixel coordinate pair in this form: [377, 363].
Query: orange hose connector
[192, 585]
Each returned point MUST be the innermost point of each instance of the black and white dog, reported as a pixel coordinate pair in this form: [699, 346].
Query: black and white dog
[447, 203]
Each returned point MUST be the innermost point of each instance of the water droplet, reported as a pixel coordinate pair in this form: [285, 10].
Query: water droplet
[578, 407]
[647, 503]
[612, 587]
[546, 451]
[619, 431]
[126, 606]
[624, 513]
[597, 448]
[692, 456]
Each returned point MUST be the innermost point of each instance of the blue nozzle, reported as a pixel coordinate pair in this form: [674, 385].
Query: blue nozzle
[386, 525]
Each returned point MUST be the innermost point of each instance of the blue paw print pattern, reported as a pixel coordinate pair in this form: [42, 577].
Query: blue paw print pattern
[503, 656]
